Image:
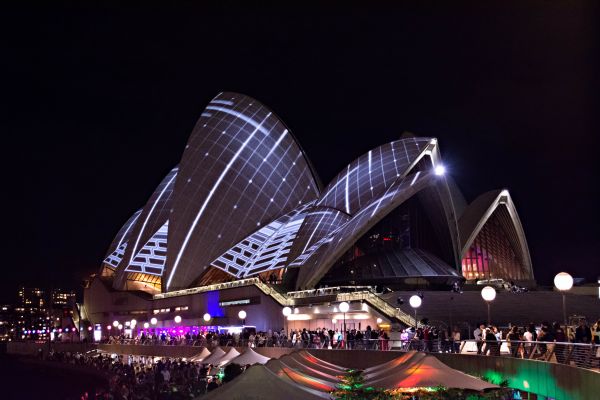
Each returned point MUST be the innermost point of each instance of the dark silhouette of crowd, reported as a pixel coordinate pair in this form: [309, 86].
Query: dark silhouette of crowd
[140, 378]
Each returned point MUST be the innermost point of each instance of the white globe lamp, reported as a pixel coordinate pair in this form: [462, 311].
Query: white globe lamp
[488, 294]
[177, 319]
[206, 317]
[344, 307]
[415, 301]
[153, 321]
[286, 311]
[563, 282]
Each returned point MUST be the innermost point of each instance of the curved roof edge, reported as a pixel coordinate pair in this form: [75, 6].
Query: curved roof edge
[480, 210]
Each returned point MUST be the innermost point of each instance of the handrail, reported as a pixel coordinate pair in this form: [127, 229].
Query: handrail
[583, 355]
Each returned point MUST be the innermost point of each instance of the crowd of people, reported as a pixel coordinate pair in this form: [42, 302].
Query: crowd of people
[141, 378]
[542, 342]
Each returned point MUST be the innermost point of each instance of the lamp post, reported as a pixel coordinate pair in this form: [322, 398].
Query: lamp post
[415, 302]
[563, 282]
[286, 313]
[344, 307]
[489, 294]
[242, 315]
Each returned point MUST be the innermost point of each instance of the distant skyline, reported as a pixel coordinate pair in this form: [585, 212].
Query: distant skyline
[99, 102]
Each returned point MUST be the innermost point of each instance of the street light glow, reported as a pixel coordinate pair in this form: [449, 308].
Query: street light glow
[440, 170]
[563, 281]
[488, 293]
[344, 307]
[415, 301]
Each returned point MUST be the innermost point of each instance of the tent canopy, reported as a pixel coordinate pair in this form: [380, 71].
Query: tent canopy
[231, 354]
[200, 356]
[250, 357]
[214, 357]
[258, 383]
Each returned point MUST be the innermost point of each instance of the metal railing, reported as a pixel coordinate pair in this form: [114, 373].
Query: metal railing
[583, 355]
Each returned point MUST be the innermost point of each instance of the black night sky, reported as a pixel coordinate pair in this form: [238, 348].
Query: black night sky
[98, 103]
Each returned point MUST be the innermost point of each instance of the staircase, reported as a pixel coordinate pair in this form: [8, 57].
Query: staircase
[379, 304]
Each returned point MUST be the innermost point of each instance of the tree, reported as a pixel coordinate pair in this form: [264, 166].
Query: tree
[231, 371]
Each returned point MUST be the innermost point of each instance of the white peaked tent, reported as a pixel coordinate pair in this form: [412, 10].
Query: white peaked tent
[258, 383]
[214, 357]
[230, 355]
[250, 357]
[200, 356]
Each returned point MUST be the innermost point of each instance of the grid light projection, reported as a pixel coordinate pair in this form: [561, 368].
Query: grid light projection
[244, 201]
[151, 258]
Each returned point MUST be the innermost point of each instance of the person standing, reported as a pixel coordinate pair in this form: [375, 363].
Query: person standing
[478, 334]
[456, 340]
[513, 341]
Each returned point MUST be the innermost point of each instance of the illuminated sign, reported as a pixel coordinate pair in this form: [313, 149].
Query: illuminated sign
[239, 302]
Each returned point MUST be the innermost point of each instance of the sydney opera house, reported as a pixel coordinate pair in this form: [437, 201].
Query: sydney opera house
[244, 222]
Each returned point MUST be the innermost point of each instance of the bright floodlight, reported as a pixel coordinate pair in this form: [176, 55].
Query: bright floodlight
[120, 326]
[415, 301]
[153, 321]
[177, 319]
[133, 323]
[440, 170]
[563, 281]
[488, 293]
[344, 307]
[206, 317]
[242, 314]
[146, 325]
[286, 311]
[116, 323]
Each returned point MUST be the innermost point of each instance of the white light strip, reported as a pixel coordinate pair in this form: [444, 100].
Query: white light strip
[128, 228]
[226, 102]
[241, 116]
[313, 232]
[277, 143]
[415, 178]
[137, 241]
[347, 198]
[337, 182]
[215, 186]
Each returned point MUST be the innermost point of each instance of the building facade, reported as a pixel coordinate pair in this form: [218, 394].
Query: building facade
[244, 202]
